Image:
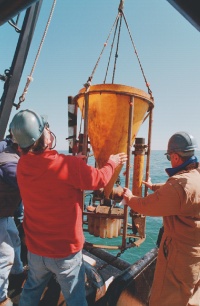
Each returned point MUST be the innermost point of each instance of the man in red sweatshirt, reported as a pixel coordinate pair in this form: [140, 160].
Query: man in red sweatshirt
[51, 186]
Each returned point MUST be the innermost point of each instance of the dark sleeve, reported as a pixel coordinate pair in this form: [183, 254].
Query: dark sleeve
[8, 171]
[3, 145]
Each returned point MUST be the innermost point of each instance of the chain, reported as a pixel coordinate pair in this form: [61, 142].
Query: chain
[111, 261]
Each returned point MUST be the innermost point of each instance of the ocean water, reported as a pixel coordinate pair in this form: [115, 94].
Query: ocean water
[158, 163]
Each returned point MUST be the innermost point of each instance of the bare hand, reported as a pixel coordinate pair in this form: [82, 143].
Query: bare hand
[148, 184]
[119, 159]
[127, 195]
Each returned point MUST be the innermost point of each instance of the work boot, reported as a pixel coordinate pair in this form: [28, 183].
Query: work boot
[6, 302]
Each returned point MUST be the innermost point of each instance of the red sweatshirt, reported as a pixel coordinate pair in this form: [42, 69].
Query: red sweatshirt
[51, 187]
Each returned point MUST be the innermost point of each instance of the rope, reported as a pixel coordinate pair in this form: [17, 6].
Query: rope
[120, 14]
[88, 83]
[30, 78]
[117, 48]
[147, 84]
[111, 49]
[105, 44]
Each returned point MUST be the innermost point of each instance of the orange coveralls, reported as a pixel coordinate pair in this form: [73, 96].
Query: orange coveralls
[177, 274]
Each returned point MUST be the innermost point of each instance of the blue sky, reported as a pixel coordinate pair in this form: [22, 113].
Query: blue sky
[167, 44]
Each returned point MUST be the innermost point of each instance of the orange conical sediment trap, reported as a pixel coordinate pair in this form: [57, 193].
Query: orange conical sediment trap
[108, 120]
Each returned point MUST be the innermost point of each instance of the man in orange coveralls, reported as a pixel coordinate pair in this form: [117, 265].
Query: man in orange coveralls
[51, 187]
[177, 274]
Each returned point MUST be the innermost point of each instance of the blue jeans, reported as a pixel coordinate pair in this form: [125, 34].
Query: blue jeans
[10, 251]
[19, 214]
[70, 274]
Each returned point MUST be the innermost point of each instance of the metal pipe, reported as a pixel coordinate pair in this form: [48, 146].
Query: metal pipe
[139, 153]
[127, 181]
[149, 149]
[135, 282]
[85, 134]
[138, 221]
[107, 257]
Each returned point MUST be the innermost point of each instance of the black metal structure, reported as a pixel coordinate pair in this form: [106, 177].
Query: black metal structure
[19, 60]
[190, 9]
[10, 8]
